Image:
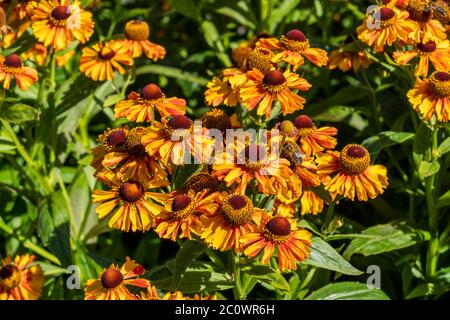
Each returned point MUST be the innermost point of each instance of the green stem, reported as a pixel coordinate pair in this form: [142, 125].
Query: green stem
[238, 291]
[28, 244]
[329, 214]
[68, 205]
[433, 216]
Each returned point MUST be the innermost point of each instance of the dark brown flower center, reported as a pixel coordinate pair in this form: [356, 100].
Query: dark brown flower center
[274, 78]
[13, 61]
[237, 202]
[111, 278]
[216, 119]
[386, 13]
[6, 272]
[116, 138]
[152, 92]
[139, 270]
[442, 76]
[427, 47]
[253, 153]
[302, 122]
[106, 53]
[279, 226]
[201, 181]
[180, 122]
[131, 191]
[295, 35]
[356, 152]
[180, 202]
[61, 12]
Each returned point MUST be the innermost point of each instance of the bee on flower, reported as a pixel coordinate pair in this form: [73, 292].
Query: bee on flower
[132, 204]
[281, 236]
[20, 279]
[292, 48]
[431, 96]
[426, 28]
[349, 173]
[58, 23]
[101, 60]
[12, 68]
[140, 107]
[114, 282]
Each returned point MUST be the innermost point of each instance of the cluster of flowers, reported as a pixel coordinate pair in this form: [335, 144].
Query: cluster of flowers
[221, 204]
[418, 30]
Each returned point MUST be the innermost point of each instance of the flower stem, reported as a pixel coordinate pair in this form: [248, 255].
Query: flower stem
[238, 292]
[329, 214]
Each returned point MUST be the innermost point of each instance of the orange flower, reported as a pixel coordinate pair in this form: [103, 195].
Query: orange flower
[99, 61]
[140, 107]
[436, 53]
[294, 45]
[112, 284]
[385, 26]
[182, 213]
[136, 40]
[426, 28]
[431, 96]
[348, 60]
[163, 140]
[262, 91]
[130, 202]
[240, 165]
[19, 280]
[312, 139]
[354, 175]
[225, 89]
[11, 67]
[37, 53]
[224, 227]
[278, 233]
[59, 23]
[122, 150]
[310, 203]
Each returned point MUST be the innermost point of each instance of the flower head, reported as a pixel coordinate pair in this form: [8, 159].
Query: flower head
[113, 282]
[19, 280]
[278, 234]
[11, 67]
[59, 22]
[140, 107]
[99, 61]
[353, 173]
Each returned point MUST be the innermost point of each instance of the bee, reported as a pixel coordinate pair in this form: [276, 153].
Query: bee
[440, 11]
[291, 151]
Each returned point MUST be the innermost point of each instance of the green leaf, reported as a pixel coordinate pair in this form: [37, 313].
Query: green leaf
[427, 289]
[421, 143]
[198, 281]
[236, 15]
[427, 169]
[210, 33]
[444, 147]
[172, 73]
[186, 7]
[53, 227]
[386, 139]
[112, 100]
[277, 15]
[386, 237]
[347, 291]
[188, 252]
[325, 256]
[444, 200]
[18, 113]
[267, 276]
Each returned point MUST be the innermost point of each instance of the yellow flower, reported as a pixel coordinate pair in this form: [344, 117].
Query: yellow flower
[99, 61]
[261, 91]
[130, 203]
[431, 96]
[182, 213]
[294, 45]
[225, 89]
[113, 282]
[11, 67]
[136, 40]
[60, 22]
[391, 26]
[426, 28]
[19, 280]
[224, 227]
[436, 53]
[140, 107]
[278, 234]
[354, 175]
